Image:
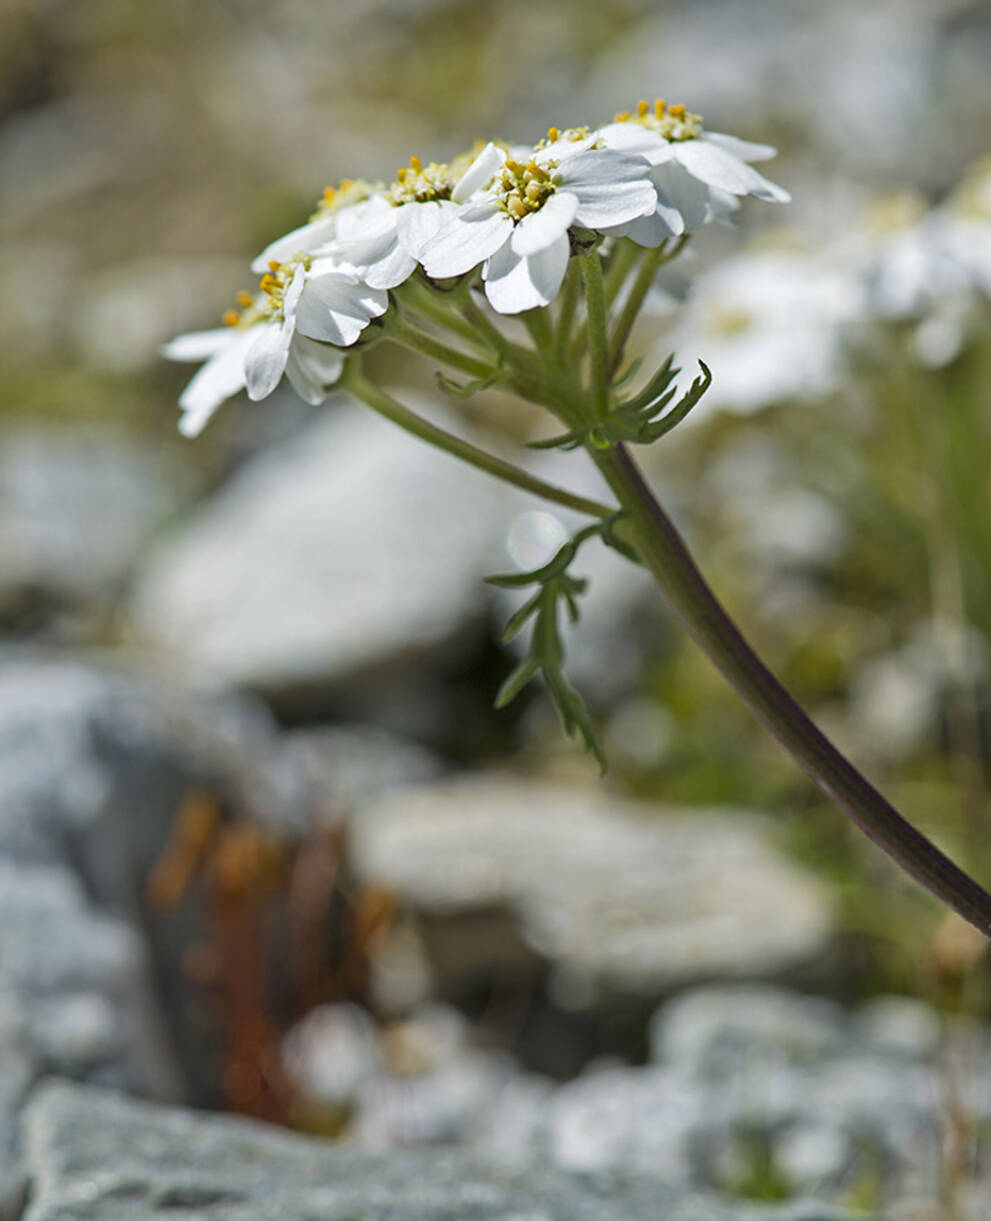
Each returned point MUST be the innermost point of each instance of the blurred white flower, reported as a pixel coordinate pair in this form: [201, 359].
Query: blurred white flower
[769, 324]
[303, 308]
[966, 218]
[698, 174]
[927, 267]
[515, 217]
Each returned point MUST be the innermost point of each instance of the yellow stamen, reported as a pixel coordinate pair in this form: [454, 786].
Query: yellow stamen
[268, 284]
[230, 317]
[642, 108]
[274, 264]
[245, 299]
[622, 116]
[401, 174]
[345, 183]
[328, 194]
[553, 134]
[416, 164]
[677, 111]
[659, 107]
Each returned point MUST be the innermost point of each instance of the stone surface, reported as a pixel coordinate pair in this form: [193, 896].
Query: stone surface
[753, 1085]
[350, 765]
[91, 1155]
[349, 548]
[96, 758]
[76, 505]
[73, 998]
[617, 896]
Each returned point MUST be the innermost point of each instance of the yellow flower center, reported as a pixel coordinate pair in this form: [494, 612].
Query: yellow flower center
[347, 192]
[972, 198]
[419, 183]
[892, 213]
[525, 188]
[671, 122]
[730, 321]
[573, 134]
[268, 302]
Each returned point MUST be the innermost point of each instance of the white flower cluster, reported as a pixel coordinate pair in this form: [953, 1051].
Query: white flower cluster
[513, 212]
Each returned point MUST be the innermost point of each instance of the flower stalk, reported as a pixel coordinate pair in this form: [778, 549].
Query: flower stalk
[665, 554]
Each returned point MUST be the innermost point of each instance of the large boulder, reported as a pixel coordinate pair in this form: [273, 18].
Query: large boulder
[92, 1156]
[618, 897]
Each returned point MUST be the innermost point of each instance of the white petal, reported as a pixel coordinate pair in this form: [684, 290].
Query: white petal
[463, 244]
[293, 292]
[417, 223]
[519, 282]
[197, 345]
[480, 173]
[650, 230]
[718, 168]
[392, 269]
[746, 150]
[220, 378]
[265, 361]
[635, 138]
[364, 218]
[611, 187]
[302, 240]
[538, 230]
[312, 367]
[334, 310]
[683, 191]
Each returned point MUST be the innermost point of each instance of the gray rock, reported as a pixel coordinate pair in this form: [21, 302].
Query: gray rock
[701, 894]
[76, 506]
[349, 548]
[92, 1155]
[96, 758]
[72, 997]
[711, 1027]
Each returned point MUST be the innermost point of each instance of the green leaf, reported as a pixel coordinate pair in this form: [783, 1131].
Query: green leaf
[528, 669]
[519, 619]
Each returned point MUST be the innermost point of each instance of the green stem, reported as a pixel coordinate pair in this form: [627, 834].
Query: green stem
[538, 324]
[397, 329]
[354, 380]
[566, 311]
[441, 308]
[623, 261]
[672, 565]
[598, 339]
[633, 304]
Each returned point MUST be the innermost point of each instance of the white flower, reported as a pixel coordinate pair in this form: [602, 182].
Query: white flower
[770, 324]
[306, 312]
[334, 211]
[385, 240]
[923, 267]
[516, 218]
[698, 174]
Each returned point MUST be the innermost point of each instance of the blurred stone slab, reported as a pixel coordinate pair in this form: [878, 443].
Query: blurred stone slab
[92, 1156]
[76, 506]
[350, 548]
[619, 897]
